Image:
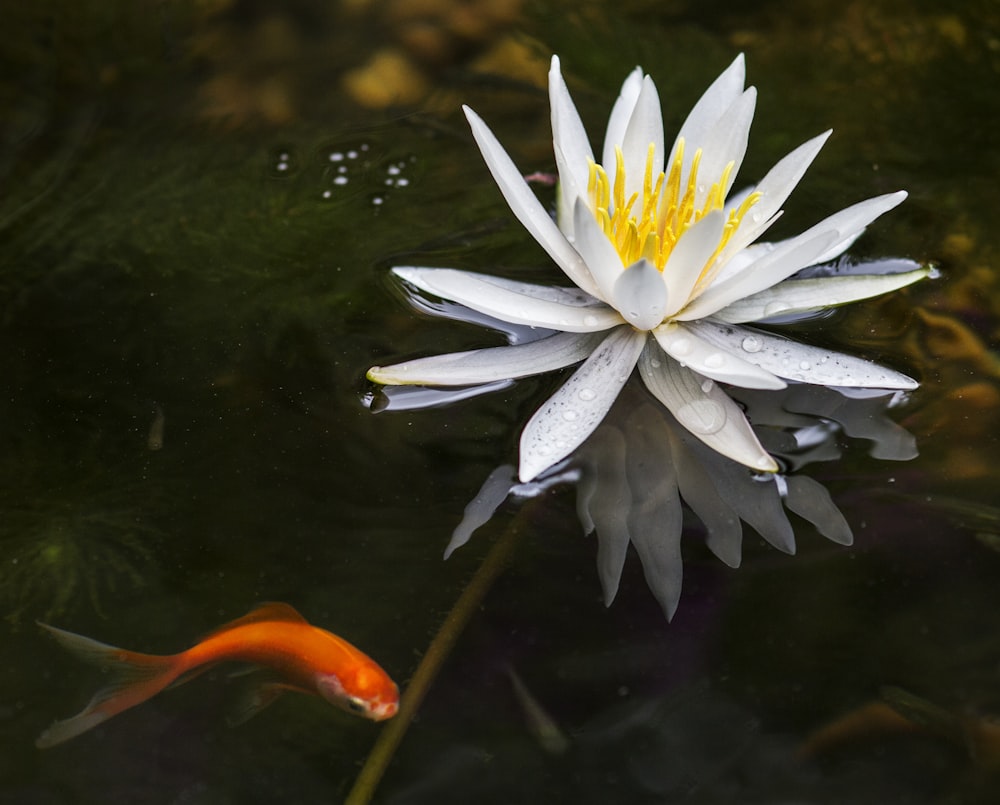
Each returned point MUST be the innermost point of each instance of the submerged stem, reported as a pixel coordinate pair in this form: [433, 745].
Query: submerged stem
[437, 652]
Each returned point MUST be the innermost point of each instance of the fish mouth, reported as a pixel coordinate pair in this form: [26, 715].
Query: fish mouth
[384, 710]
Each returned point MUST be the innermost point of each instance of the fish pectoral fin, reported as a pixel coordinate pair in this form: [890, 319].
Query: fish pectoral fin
[256, 697]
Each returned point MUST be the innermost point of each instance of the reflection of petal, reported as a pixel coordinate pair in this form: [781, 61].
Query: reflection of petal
[655, 519]
[570, 415]
[810, 500]
[703, 408]
[526, 206]
[796, 361]
[518, 302]
[481, 508]
[602, 494]
[808, 295]
[634, 469]
[494, 363]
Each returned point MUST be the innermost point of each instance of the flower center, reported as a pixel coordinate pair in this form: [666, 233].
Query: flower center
[650, 226]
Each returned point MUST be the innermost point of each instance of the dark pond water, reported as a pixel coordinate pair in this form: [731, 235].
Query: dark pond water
[200, 205]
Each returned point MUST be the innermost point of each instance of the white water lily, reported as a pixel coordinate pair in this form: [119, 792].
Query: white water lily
[667, 273]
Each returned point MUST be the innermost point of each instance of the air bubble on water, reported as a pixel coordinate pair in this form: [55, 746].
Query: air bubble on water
[402, 182]
[340, 180]
[336, 156]
[393, 170]
[352, 154]
[378, 201]
[327, 194]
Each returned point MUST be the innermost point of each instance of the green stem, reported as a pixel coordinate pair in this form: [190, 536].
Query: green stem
[430, 664]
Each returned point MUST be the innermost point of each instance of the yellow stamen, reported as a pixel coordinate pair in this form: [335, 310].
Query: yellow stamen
[650, 226]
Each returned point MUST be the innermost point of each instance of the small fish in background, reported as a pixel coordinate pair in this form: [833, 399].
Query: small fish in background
[542, 725]
[899, 712]
[301, 657]
[154, 441]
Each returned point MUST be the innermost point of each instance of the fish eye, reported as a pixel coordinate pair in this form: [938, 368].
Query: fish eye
[356, 705]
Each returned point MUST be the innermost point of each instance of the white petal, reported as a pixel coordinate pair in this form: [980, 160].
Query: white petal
[526, 206]
[801, 362]
[716, 360]
[815, 245]
[771, 268]
[726, 142]
[600, 254]
[640, 295]
[801, 296]
[493, 363]
[571, 146]
[645, 128]
[618, 121]
[709, 108]
[571, 414]
[688, 258]
[774, 188]
[516, 302]
[703, 408]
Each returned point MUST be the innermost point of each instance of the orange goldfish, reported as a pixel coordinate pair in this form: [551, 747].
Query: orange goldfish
[305, 658]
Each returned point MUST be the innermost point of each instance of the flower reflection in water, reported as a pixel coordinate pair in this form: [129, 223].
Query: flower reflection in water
[638, 469]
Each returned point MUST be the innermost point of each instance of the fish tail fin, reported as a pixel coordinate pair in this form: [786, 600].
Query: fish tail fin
[136, 678]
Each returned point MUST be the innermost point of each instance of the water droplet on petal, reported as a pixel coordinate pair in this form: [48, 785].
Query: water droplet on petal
[765, 463]
[586, 394]
[590, 321]
[752, 344]
[775, 308]
[655, 363]
[707, 386]
[569, 415]
[804, 365]
[702, 417]
[715, 361]
[680, 345]
[755, 217]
